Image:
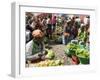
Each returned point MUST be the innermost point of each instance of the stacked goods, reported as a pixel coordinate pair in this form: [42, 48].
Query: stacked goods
[79, 51]
[83, 56]
[71, 49]
[59, 30]
[57, 35]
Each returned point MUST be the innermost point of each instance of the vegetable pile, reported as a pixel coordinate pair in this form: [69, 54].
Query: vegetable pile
[46, 59]
[49, 63]
[50, 54]
[78, 50]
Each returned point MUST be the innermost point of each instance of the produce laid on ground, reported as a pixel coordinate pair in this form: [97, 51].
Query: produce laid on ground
[50, 60]
[45, 59]
[49, 63]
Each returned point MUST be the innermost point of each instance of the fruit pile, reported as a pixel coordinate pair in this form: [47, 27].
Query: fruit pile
[49, 63]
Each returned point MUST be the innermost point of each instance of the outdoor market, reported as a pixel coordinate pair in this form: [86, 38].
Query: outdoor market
[56, 39]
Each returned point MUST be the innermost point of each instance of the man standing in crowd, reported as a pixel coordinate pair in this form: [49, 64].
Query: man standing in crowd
[54, 23]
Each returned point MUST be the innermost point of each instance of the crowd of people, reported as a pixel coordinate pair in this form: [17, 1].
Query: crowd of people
[72, 26]
[75, 27]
